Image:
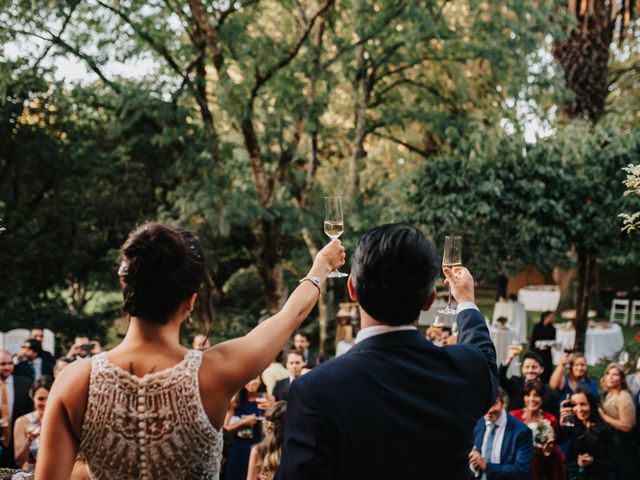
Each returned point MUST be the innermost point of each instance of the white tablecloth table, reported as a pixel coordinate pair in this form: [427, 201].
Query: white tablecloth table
[516, 316]
[539, 298]
[502, 338]
[599, 342]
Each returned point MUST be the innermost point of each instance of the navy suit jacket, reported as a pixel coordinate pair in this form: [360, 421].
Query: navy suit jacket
[394, 406]
[281, 389]
[515, 454]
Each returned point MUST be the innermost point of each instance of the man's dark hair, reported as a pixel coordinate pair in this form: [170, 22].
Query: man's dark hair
[533, 356]
[304, 334]
[393, 271]
[502, 396]
[293, 352]
[34, 345]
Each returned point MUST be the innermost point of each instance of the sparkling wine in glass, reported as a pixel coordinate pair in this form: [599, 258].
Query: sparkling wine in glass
[452, 257]
[333, 224]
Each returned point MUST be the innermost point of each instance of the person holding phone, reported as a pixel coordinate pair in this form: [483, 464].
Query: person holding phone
[591, 455]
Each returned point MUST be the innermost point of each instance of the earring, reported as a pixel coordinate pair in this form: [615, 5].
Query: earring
[189, 321]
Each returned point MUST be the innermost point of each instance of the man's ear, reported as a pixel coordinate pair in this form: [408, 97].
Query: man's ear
[430, 300]
[352, 290]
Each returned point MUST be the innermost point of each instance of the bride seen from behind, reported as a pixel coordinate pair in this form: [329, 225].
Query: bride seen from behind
[150, 408]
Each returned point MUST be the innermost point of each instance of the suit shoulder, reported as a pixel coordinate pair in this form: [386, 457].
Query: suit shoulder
[516, 425]
[21, 381]
[281, 381]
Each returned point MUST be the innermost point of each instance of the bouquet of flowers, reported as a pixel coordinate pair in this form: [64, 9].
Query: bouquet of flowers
[542, 433]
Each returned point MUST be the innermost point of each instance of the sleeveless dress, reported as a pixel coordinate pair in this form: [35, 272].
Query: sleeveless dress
[30, 464]
[148, 428]
[244, 439]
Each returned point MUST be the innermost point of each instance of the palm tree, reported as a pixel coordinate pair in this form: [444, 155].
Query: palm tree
[584, 57]
[584, 53]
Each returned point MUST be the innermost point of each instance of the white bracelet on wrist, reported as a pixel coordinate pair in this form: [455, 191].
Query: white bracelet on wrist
[313, 279]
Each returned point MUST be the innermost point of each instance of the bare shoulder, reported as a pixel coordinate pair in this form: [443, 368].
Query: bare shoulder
[71, 390]
[21, 422]
[74, 378]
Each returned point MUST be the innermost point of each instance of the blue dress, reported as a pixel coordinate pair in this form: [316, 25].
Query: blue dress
[243, 440]
[585, 383]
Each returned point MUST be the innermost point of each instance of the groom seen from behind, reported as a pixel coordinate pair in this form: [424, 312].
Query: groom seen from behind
[395, 405]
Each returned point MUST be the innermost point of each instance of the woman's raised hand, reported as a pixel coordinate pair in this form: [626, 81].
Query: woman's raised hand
[331, 257]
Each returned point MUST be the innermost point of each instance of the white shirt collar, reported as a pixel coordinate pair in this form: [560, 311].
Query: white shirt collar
[379, 330]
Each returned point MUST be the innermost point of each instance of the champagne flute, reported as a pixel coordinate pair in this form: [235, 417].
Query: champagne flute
[333, 224]
[452, 257]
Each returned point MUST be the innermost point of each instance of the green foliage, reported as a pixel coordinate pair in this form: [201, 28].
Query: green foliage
[519, 205]
[632, 182]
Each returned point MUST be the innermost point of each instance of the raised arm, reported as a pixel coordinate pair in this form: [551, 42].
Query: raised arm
[472, 329]
[242, 359]
[557, 380]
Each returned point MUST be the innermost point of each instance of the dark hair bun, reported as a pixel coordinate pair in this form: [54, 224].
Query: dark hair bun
[161, 267]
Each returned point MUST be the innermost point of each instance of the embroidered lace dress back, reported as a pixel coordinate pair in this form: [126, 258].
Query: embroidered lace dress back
[149, 428]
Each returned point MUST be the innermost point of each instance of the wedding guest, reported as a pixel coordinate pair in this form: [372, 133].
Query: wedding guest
[265, 456]
[570, 373]
[591, 455]
[545, 331]
[295, 363]
[618, 410]
[244, 423]
[548, 459]
[201, 342]
[150, 408]
[37, 333]
[81, 347]
[532, 369]
[274, 372]
[502, 445]
[26, 432]
[60, 365]
[301, 343]
[32, 365]
[395, 406]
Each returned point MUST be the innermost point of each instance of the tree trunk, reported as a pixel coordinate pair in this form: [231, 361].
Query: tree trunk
[584, 57]
[361, 93]
[267, 256]
[586, 269]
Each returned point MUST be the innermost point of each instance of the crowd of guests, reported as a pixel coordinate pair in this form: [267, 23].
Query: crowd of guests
[556, 429]
[579, 428]
[25, 381]
[544, 427]
[559, 426]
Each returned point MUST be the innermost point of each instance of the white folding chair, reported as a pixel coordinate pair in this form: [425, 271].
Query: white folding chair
[635, 313]
[619, 311]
